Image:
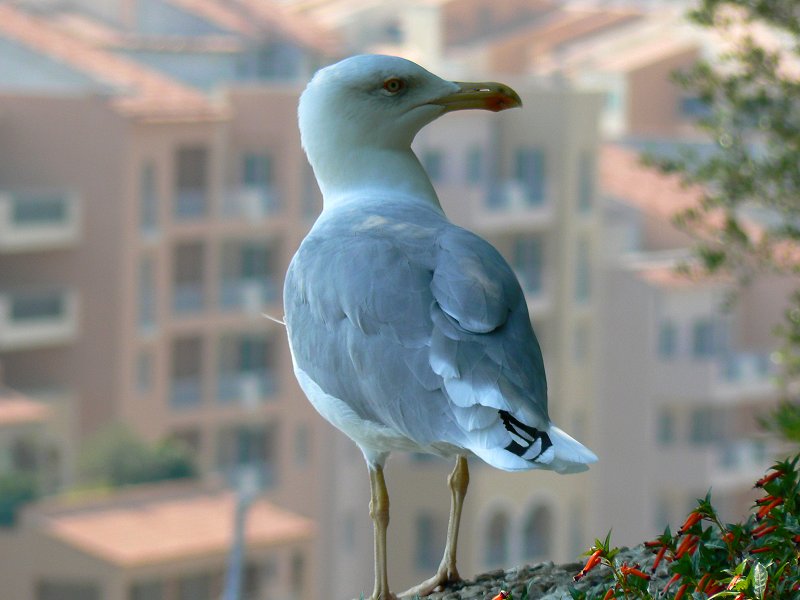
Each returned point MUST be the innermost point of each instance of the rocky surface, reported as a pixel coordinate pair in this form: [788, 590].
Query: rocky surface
[546, 581]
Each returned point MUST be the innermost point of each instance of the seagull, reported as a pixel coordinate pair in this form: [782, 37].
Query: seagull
[407, 332]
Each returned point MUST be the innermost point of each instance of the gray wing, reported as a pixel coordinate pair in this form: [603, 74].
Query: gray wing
[423, 329]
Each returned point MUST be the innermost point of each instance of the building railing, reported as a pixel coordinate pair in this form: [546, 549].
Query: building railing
[249, 388]
[188, 297]
[186, 391]
[35, 219]
[37, 317]
[250, 202]
[251, 295]
[191, 203]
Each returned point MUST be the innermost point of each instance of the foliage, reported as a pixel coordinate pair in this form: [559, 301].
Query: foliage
[752, 93]
[706, 559]
[116, 457]
[16, 489]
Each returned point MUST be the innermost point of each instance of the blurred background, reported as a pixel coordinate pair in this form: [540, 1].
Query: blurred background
[152, 193]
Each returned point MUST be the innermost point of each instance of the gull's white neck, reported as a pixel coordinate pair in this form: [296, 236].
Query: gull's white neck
[347, 174]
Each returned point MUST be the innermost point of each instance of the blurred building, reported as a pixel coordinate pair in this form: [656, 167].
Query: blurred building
[690, 375]
[144, 229]
[154, 544]
[157, 191]
[35, 443]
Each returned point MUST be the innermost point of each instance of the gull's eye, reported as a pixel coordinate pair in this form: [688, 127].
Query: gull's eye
[394, 85]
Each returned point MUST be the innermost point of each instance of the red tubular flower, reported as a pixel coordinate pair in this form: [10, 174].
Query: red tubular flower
[689, 544]
[760, 550]
[593, 561]
[626, 570]
[764, 531]
[674, 579]
[659, 556]
[692, 519]
[609, 594]
[767, 508]
[765, 500]
[734, 581]
[766, 479]
[653, 544]
[503, 595]
[701, 585]
[681, 591]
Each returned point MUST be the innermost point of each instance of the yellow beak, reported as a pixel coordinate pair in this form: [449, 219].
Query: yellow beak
[481, 95]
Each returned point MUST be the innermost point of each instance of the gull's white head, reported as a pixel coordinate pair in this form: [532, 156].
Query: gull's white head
[361, 114]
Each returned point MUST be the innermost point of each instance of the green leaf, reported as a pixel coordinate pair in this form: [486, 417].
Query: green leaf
[759, 580]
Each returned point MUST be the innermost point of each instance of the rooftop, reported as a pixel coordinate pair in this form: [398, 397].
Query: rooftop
[141, 92]
[16, 409]
[623, 177]
[151, 525]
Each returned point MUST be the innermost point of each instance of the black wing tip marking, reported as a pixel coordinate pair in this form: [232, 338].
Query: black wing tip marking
[527, 436]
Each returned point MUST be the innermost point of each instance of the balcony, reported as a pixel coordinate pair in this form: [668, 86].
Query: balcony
[190, 204]
[248, 295]
[723, 379]
[188, 298]
[250, 202]
[186, 392]
[247, 388]
[257, 474]
[38, 220]
[509, 204]
[37, 318]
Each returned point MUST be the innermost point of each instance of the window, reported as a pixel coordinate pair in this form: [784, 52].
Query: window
[583, 272]
[537, 534]
[703, 429]
[195, 587]
[529, 170]
[703, 338]
[433, 161]
[248, 446]
[257, 170]
[147, 316]
[251, 584]
[144, 372]
[191, 182]
[667, 338]
[188, 277]
[496, 547]
[34, 306]
[586, 179]
[301, 441]
[580, 344]
[297, 574]
[427, 552]
[666, 426]
[694, 107]
[147, 590]
[67, 590]
[529, 263]
[187, 369]
[148, 199]
[29, 209]
[349, 531]
[475, 165]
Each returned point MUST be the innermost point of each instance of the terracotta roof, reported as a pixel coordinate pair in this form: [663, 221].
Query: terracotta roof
[667, 276]
[254, 17]
[16, 409]
[143, 93]
[523, 48]
[152, 529]
[623, 177]
[650, 51]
